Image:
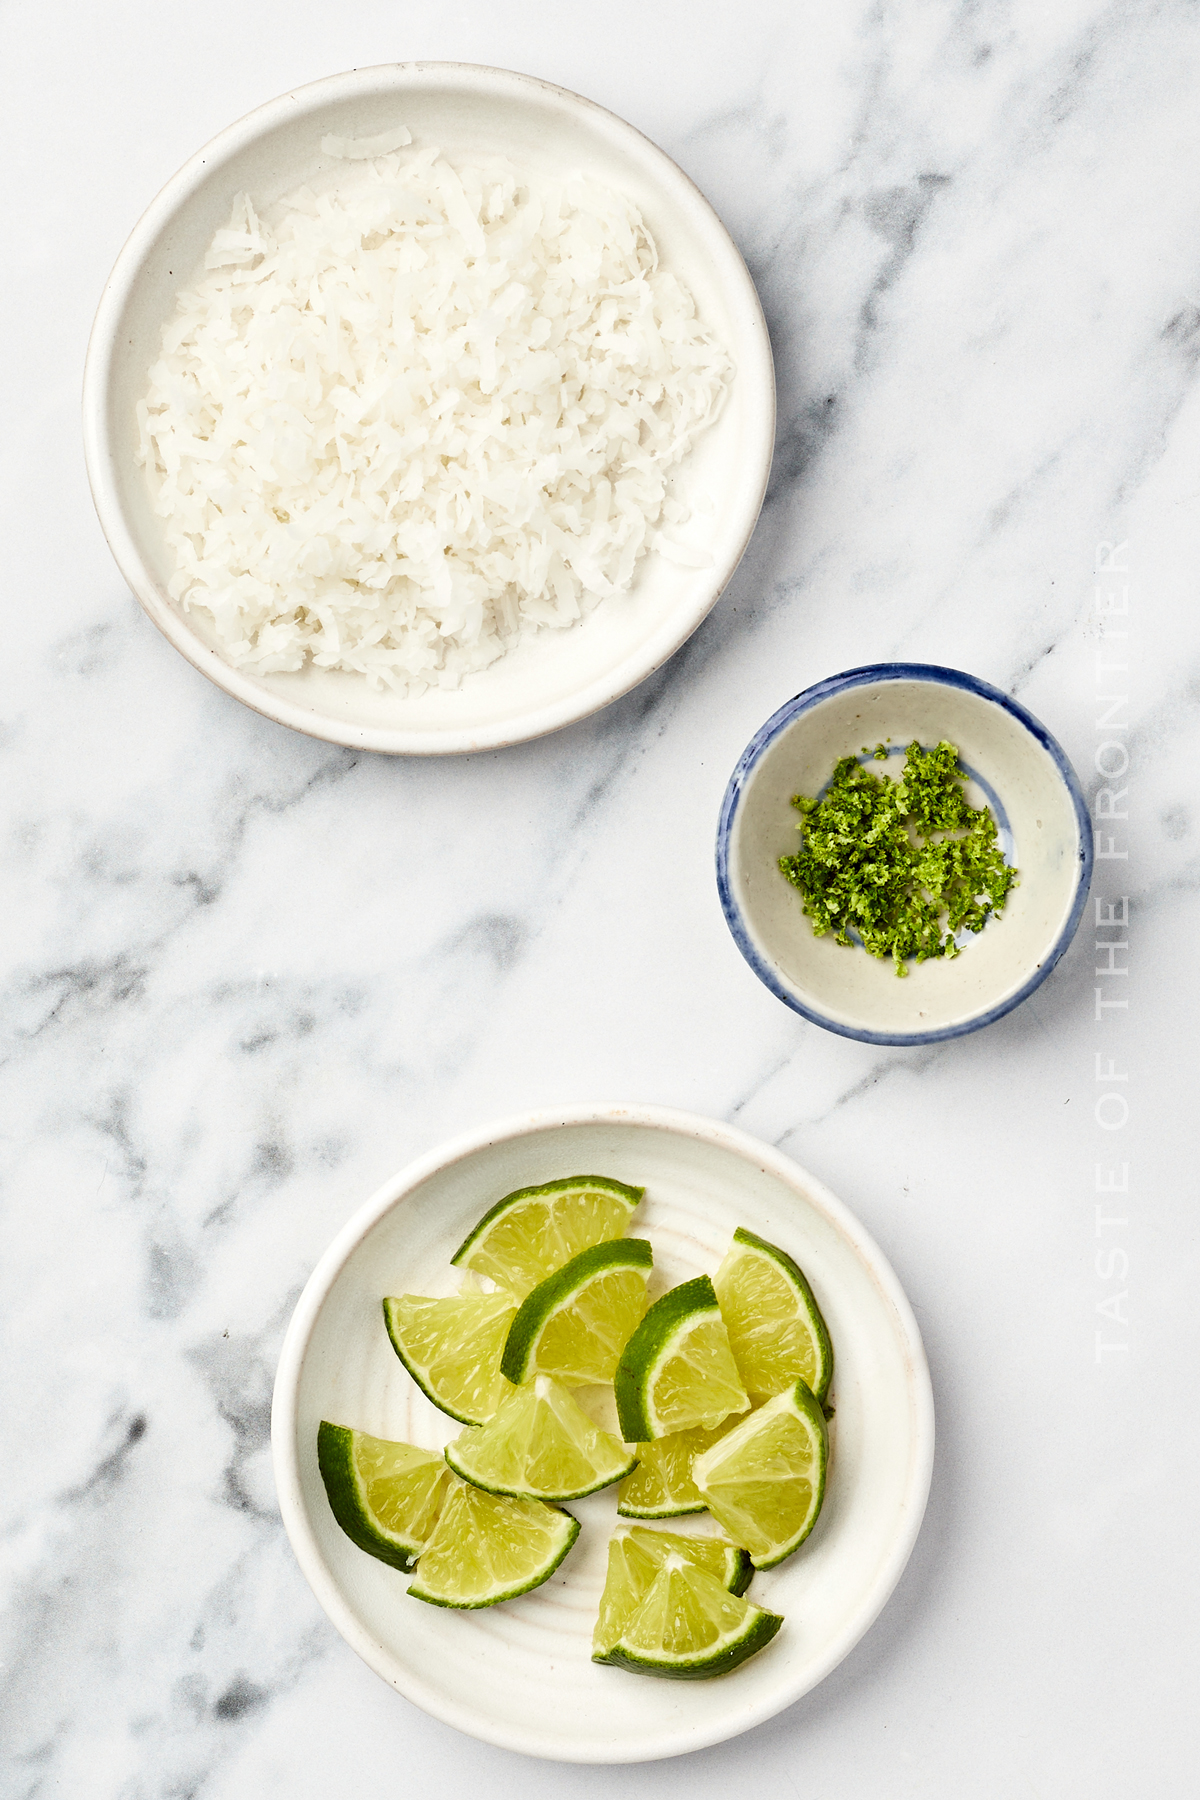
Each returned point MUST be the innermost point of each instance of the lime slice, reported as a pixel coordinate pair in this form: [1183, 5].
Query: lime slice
[530, 1233]
[385, 1496]
[541, 1445]
[774, 1323]
[575, 1324]
[661, 1487]
[451, 1348]
[634, 1559]
[626, 1584]
[765, 1479]
[688, 1626]
[726, 1562]
[677, 1369]
[487, 1548]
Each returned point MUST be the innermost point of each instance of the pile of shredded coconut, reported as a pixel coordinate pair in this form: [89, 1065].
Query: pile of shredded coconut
[421, 414]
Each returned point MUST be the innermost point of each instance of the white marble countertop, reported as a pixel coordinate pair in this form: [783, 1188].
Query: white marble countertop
[247, 976]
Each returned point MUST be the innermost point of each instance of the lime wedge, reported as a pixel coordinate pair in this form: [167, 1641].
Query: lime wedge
[487, 1548]
[532, 1232]
[451, 1348]
[774, 1323]
[575, 1324]
[634, 1559]
[626, 1584]
[541, 1445]
[385, 1496]
[661, 1487]
[765, 1479]
[688, 1626]
[726, 1562]
[677, 1369]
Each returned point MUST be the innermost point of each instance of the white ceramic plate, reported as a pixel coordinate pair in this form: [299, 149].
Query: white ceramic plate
[520, 1674]
[557, 676]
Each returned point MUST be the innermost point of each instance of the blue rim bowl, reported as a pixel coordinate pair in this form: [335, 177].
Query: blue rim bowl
[1019, 768]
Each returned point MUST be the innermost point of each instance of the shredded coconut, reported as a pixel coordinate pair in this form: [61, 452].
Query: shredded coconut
[400, 423]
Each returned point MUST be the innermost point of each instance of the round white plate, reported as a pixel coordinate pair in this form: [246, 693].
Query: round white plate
[554, 677]
[520, 1674]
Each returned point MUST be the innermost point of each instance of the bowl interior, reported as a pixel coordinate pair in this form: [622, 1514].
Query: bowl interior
[520, 1674]
[557, 675]
[1018, 778]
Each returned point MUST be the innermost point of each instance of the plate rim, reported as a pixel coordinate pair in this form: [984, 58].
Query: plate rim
[100, 460]
[674, 1741]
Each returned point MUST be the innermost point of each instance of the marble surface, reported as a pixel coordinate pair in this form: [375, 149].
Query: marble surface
[247, 976]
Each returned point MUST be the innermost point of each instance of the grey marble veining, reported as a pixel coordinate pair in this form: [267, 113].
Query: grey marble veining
[247, 976]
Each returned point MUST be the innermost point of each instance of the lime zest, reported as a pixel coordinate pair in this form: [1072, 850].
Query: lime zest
[904, 865]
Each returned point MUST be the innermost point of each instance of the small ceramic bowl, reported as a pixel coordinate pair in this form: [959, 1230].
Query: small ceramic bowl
[520, 1675]
[555, 677]
[1015, 767]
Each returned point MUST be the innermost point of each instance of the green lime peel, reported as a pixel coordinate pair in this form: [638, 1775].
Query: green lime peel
[905, 864]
